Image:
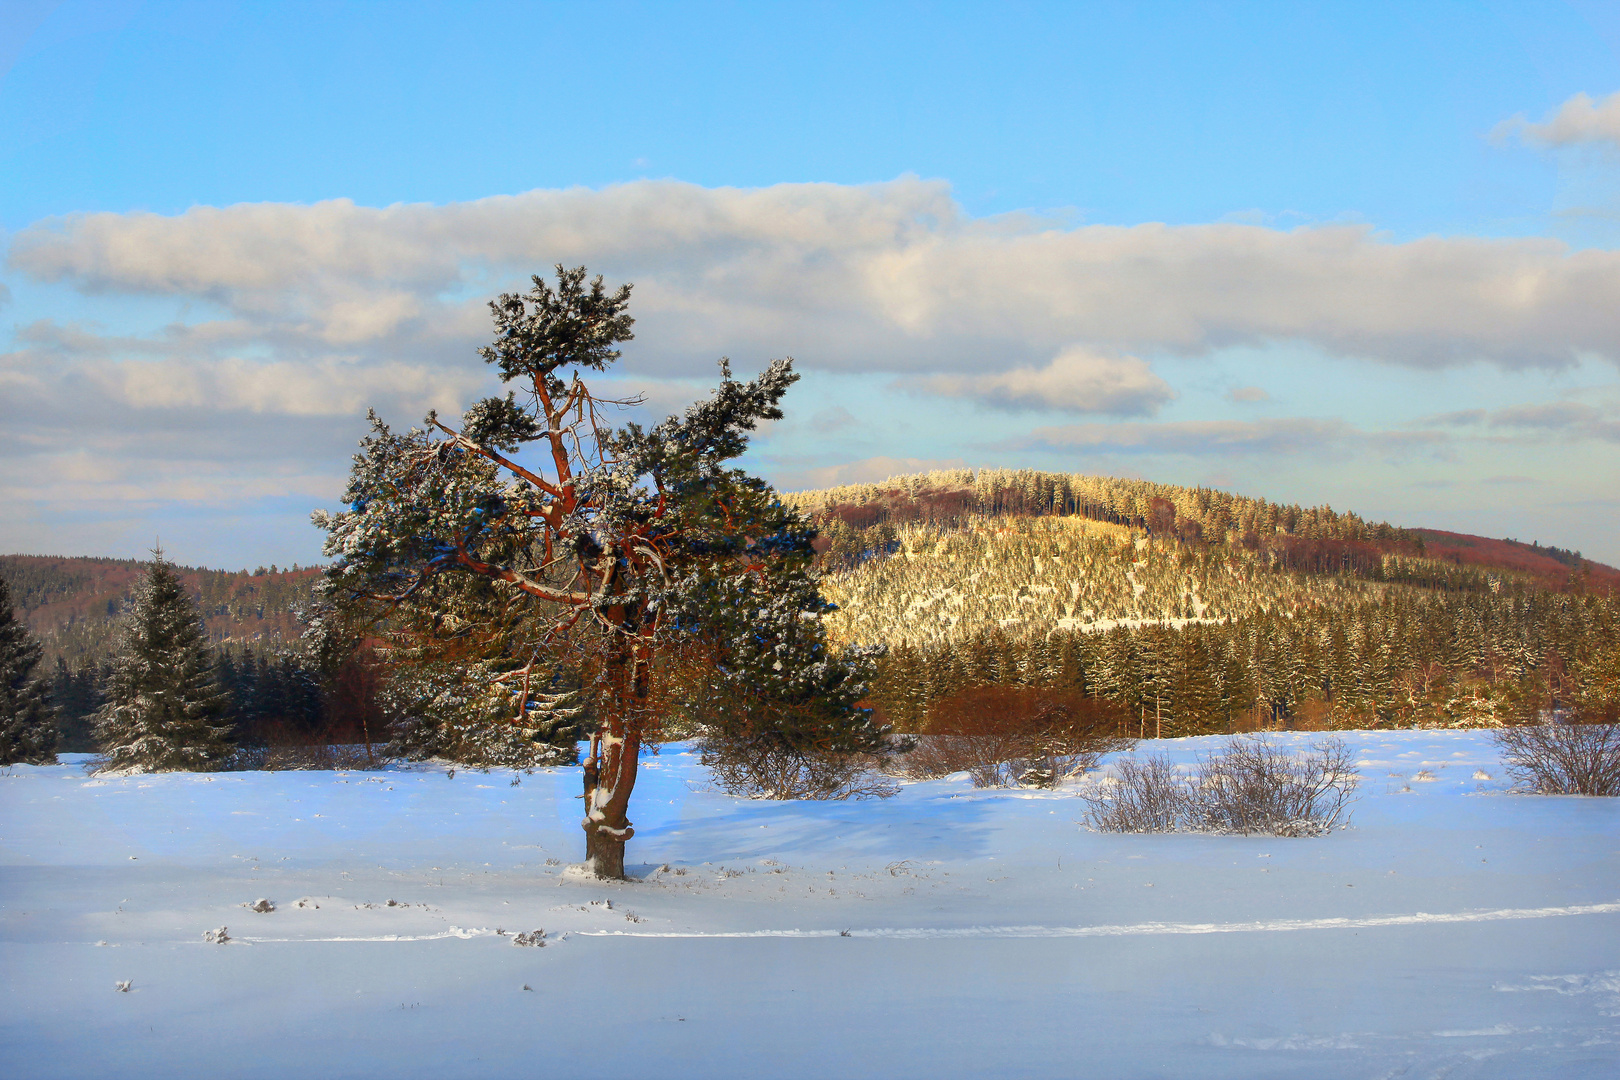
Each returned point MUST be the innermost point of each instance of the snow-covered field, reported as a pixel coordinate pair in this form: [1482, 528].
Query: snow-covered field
[1455, 930]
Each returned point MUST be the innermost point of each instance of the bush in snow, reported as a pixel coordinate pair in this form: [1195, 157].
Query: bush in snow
[1252, 786]
[1563, 759]
[27, 717]
[1256, 786]
[1005, 736]
[1149, 795]
[318, 756]
[165, 709]
[766, 765]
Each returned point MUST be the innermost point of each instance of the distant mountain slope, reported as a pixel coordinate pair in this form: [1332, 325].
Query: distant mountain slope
[1160, 509]
[932, 558]
[1555, 567]
[73, 604]
[1195, 611]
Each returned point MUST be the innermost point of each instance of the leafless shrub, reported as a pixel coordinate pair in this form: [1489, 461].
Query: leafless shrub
[1005, 736]
[1256, 786]
[1149, 795]
[766, 767]
[1252, 786]
[318, 756]
[1563, 759]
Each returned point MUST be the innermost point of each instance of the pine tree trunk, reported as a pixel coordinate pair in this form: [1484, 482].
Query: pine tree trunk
[610, 771]
[604, 853]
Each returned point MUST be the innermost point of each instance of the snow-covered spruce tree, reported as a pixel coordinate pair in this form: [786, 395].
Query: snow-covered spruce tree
[164, 708]
[27, 717]
[593, 534]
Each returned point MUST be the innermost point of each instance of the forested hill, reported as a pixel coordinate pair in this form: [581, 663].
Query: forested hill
[72, 604]
[859, 520]
[1206, 611]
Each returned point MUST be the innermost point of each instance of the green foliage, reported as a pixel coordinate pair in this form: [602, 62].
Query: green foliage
[461, 712]
[776, 709]
[576, 325]
[27, 716]
[164, 708]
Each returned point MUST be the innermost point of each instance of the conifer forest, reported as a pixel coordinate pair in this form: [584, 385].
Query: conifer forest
[1199, 612]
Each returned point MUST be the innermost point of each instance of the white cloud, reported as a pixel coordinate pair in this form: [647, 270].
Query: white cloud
[1578, 121]
[885, 276]
[1555, 420]
[1217, 438]
[1076, 380]
[1248, 395]
[799, 476]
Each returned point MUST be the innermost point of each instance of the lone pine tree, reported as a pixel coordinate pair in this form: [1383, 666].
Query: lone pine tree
[27, 717]
[534, 538]
[164, 709]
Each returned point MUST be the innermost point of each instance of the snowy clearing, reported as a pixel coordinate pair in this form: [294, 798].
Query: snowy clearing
[1454, 930]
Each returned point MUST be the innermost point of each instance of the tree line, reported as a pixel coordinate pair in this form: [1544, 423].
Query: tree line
[73, 605]
[1405, 659]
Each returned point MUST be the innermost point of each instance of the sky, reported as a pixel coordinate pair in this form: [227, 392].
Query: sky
[1365, 255]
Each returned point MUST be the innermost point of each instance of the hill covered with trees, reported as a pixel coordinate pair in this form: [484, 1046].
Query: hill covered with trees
[72, 605]
[1198, 611]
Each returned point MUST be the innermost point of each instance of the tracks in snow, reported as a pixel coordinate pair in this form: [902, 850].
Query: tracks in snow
[1147, 929]
[1151, 929]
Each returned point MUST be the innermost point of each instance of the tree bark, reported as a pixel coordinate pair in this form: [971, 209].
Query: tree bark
[604, 853]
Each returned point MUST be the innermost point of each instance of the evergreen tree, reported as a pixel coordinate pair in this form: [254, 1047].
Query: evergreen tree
[27, 717]
[77, 693]
[609, 547]
[165, 710]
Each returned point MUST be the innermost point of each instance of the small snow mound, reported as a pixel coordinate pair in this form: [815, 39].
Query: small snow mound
[261, 905]
[1481, 774]
[216, 936]
[1423, 776]
[305, 902]
[122, 986]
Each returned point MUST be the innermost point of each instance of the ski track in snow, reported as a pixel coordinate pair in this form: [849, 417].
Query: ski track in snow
[1140, 929]
[1417, 918]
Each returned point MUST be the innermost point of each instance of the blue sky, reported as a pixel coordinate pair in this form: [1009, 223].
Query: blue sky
[1359, 254]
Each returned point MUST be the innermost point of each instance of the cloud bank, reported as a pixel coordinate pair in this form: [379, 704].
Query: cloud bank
[892, 276]
[1075, 381]
[1578, 121]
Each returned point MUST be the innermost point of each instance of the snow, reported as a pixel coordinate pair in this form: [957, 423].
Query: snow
[1456, 929]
